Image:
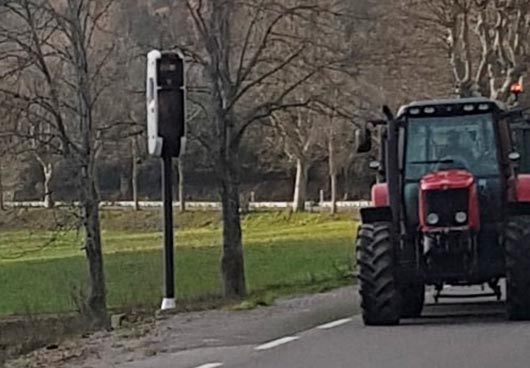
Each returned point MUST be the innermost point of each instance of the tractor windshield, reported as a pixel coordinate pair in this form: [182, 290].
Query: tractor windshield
[463, 142]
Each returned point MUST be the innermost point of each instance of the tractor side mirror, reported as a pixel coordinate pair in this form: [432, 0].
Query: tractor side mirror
[375, 165]
[363, 140]
[514, 156]
[388, 113]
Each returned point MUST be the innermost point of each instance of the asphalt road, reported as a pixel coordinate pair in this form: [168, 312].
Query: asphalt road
[466, 334]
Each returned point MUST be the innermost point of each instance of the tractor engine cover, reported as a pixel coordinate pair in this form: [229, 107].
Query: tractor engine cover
[449, 202]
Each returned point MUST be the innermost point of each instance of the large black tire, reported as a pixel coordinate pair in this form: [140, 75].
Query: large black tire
[377, 275]
[517, 251]
[412, 299]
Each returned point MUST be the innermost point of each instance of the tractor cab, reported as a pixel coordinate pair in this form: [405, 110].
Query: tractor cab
[451, 149]
[449, 198]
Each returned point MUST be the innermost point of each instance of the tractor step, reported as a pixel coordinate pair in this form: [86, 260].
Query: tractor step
[465, 296]
[437, 296]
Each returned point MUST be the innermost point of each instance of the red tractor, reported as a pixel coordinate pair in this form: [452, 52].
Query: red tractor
[451, 208]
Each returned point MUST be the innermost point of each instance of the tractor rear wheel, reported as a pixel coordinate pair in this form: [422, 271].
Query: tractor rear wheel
[412, 297]
[377, 275]
[517, 250]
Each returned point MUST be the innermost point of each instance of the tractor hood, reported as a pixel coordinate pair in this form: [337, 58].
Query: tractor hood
[448, 194]
[447, 179]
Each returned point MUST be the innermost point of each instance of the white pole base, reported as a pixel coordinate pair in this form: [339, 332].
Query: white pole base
[168, 304]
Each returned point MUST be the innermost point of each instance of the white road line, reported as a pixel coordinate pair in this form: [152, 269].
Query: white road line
[333, 324]
[211, 365]
[276, 343]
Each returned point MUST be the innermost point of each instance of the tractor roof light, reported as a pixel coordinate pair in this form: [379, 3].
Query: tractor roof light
[414, 111]
[469, 108]
[429, 110]
[517, 88]
[483, 107]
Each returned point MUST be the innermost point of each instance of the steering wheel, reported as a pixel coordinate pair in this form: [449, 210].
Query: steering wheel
[458, 162]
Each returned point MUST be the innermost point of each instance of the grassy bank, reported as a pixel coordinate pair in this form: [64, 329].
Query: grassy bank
[282, 251]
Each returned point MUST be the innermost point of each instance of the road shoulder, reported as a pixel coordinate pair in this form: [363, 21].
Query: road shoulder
[196, 331]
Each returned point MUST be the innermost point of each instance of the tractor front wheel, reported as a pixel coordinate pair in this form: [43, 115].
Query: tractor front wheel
[380, 299]
[517, 250]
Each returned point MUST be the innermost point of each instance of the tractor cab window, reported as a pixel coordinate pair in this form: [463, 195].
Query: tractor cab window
[456, 142]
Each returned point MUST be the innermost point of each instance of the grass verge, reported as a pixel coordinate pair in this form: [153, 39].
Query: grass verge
[284, 254]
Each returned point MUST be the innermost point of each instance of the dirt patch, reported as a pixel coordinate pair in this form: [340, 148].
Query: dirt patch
[146, 220]
[59, 336]
[22, 335]
[37, 219]
[150, 220]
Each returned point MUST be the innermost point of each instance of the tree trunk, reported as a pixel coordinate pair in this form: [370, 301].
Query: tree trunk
[134, 174]
[333, 193]
[232, 263]
[346, 182]
[48, 198]
[300, 186]
[135, 187]
[96, 303]
[47, 171]
[182, 193]
[125, 183]
[2, 203]
[332, 170]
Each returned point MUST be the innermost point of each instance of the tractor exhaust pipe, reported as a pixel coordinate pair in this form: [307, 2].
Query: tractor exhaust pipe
[392, 167]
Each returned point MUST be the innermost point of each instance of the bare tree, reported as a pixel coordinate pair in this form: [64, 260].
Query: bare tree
[301, 134]
[46, 158]
[487, 42]
[339, 109]
[244, 77]
[62, 50]
[338, 151]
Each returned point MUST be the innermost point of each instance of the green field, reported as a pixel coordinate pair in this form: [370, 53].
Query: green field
[281, 250]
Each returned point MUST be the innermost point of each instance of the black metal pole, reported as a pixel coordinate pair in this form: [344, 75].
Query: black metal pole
[169, 265]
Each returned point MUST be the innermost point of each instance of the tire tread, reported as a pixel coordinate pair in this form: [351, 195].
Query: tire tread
[517, 253]
[376, 264]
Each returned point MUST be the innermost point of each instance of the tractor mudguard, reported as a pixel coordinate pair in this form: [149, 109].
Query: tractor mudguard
[372, 215]
[518, 208]
[380, 195]
[523, 188]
